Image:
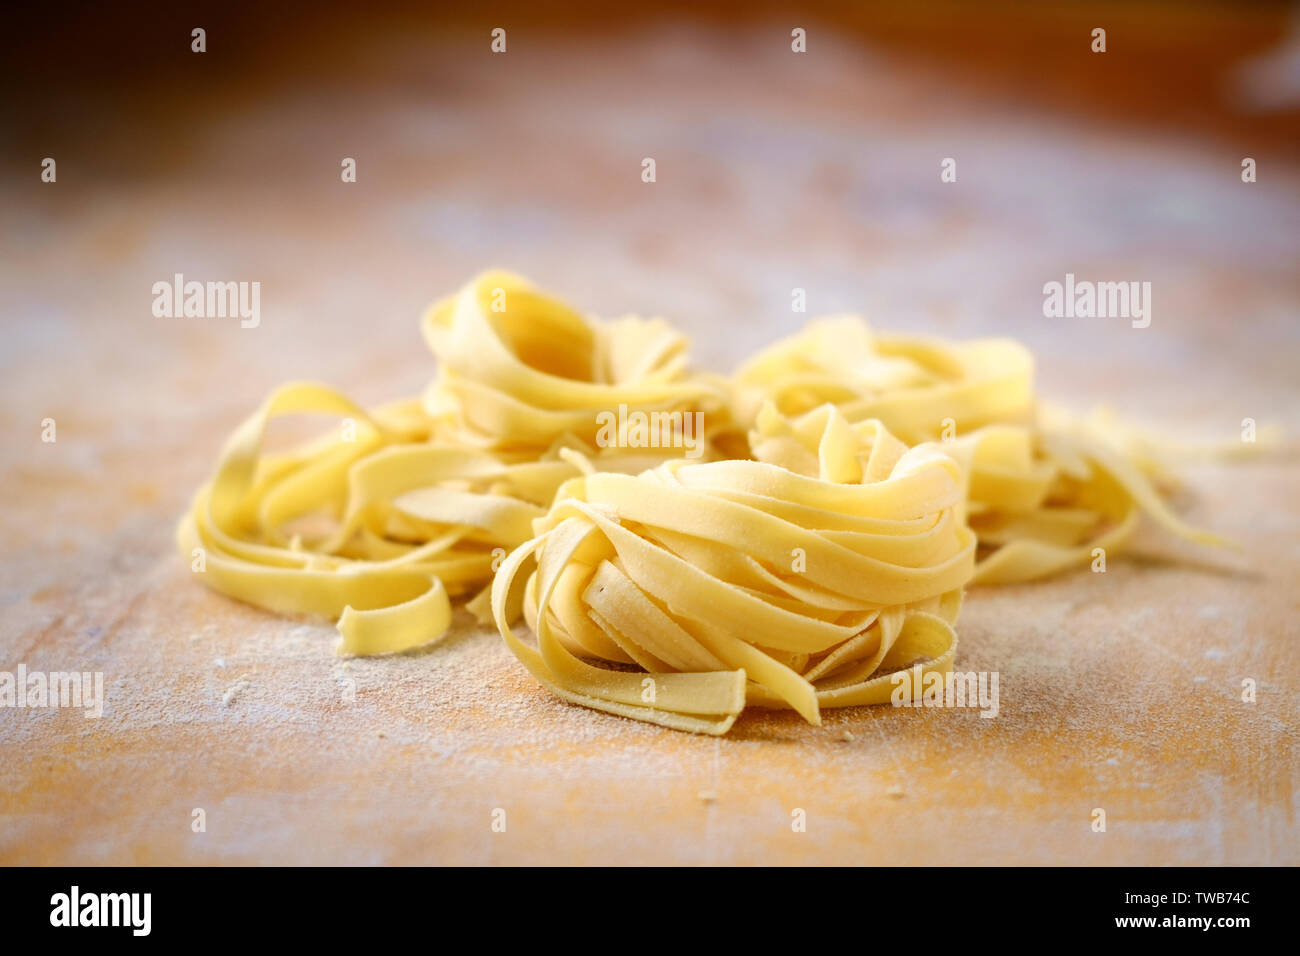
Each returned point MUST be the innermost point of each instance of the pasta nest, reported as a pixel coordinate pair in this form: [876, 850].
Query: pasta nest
[800, 579]
[1046, 491]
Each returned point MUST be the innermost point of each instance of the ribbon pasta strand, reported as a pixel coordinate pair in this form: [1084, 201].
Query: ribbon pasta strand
[396, 549]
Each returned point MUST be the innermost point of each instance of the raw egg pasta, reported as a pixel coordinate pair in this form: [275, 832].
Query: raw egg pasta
[1044, 490]
[413, 521]
[520, 371]
[681, 545]
[799, 580]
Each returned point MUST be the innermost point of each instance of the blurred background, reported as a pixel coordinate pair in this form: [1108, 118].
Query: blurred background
[775, 170]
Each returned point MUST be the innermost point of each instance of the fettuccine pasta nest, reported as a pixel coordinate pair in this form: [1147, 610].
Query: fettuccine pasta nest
[681, 545]
[1045, 491]
[741, 582]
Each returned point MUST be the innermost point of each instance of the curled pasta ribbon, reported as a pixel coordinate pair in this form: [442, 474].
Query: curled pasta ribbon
[1044, 490]
[401, 524]
[679, 595]
[521, 371]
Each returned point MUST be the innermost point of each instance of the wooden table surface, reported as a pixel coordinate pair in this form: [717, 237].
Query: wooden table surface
[1119, 691]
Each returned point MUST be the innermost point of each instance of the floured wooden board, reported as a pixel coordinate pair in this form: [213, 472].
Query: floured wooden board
[1120, 691]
